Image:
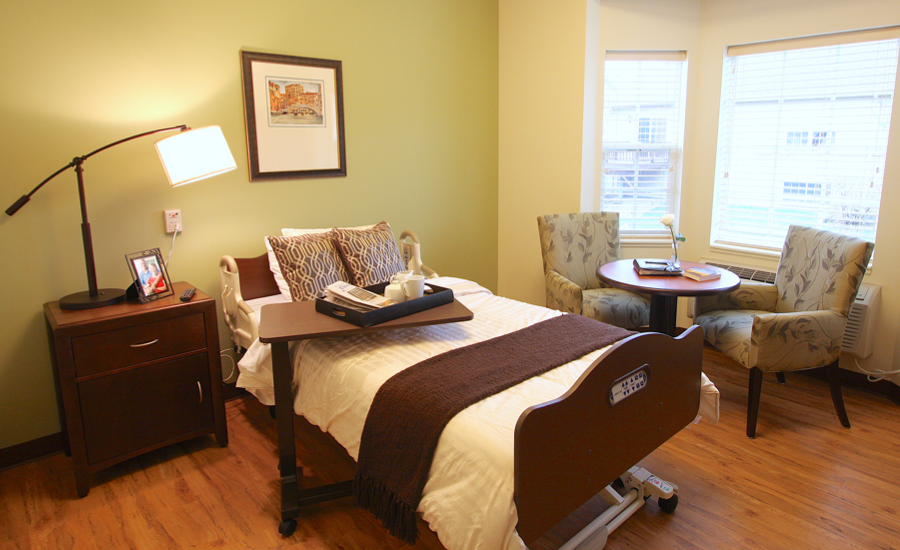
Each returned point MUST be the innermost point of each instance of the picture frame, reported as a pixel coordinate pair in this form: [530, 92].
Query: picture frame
[294, 116]
[151, 280]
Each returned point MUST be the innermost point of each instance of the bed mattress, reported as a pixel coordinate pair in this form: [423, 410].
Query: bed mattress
[468, 499]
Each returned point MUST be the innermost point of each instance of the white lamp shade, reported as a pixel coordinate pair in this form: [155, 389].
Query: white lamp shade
[194, 155]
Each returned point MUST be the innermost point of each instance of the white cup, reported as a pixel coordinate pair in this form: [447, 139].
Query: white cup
[394, 291]
[414, 286]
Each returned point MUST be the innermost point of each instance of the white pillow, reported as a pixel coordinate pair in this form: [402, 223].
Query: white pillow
[291, 232]
[273, 261]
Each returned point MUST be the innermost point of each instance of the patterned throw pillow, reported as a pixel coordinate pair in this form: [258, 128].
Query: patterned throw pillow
[309, 263]
[371, 255]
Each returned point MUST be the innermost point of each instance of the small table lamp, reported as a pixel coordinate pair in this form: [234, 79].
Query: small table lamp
[186, 157]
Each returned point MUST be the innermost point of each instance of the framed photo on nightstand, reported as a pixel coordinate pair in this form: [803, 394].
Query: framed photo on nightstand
[149, 273]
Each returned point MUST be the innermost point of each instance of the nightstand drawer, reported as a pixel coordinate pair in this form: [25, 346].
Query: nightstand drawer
[113, 349]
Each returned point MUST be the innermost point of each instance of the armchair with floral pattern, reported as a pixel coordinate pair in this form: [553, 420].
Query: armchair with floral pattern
[798, 322]
[573, 247]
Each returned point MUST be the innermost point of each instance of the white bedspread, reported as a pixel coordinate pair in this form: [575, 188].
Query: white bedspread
[468, 499]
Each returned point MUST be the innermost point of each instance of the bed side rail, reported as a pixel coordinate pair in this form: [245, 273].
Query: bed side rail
[567, 450]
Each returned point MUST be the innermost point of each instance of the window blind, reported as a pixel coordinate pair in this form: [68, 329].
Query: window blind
[802, 140]
[643, 127]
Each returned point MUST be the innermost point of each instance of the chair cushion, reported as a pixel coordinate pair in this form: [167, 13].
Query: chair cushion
[616, 307]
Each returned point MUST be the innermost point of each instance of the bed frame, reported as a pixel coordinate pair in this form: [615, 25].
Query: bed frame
[567, 450]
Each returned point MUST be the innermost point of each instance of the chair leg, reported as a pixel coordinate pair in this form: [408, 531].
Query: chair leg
[755, 389]
[780, 376]
[832, 372]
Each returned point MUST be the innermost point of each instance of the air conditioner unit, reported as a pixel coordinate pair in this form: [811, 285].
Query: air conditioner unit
[859, 335]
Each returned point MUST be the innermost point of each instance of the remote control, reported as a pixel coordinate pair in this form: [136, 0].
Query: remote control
[188, 294]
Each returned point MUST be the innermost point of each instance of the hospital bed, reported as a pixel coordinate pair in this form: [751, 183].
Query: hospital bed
[536, 452]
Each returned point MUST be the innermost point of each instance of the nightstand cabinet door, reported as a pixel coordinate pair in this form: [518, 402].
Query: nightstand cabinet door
[145, 406]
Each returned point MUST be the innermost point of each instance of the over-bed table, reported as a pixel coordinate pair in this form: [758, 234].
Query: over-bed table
[566, 449]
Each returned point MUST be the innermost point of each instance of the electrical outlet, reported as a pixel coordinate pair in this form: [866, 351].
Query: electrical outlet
[173, 220]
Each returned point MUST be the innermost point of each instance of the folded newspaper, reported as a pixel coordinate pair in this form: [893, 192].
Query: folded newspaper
[347, 295]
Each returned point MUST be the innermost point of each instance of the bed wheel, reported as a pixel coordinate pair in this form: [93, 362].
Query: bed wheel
[286, 528]
[668, 505]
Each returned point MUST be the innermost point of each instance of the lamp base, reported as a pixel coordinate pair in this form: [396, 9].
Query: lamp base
[84, 300]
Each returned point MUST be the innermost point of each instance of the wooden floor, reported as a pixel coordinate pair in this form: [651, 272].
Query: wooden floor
[804, 483]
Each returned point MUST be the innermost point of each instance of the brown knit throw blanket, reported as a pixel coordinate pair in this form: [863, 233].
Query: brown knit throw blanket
[411, 408]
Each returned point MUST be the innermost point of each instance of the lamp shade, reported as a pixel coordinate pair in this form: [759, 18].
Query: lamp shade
[194, 155]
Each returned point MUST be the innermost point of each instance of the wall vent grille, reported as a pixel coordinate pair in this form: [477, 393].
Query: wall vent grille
[748, 273]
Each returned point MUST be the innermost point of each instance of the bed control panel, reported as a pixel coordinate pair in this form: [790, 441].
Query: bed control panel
[628, 385]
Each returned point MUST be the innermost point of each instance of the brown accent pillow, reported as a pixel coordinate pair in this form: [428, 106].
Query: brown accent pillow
[309, 263]
[371, 255]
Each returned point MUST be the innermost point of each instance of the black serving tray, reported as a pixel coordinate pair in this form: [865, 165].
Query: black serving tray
[438, 297]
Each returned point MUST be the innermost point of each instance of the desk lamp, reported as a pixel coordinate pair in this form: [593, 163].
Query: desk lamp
[188, 156]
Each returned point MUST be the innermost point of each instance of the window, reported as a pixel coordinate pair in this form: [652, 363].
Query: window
[803, 135]
[642, 136]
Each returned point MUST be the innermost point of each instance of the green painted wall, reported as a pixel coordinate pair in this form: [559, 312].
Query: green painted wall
[420, 102]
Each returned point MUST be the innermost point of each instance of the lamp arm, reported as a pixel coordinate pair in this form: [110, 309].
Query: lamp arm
[181, 127]
[77, 161]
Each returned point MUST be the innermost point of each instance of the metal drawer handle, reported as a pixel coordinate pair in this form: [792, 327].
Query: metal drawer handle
[151, 342]
[200, 389]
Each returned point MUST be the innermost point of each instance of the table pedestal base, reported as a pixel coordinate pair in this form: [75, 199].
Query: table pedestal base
[663, 313]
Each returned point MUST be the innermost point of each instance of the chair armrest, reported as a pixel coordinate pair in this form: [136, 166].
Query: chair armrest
[750, 295]
[562, 294]
[796, 340]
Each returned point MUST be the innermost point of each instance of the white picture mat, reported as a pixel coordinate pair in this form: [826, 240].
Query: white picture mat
[285, 149]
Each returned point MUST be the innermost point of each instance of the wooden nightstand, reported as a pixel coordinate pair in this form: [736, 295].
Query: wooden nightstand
[135, 377]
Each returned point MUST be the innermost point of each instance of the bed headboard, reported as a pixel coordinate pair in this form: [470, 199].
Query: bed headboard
[257, 280]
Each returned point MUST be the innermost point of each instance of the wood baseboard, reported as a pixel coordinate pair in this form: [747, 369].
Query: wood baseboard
[31, 450]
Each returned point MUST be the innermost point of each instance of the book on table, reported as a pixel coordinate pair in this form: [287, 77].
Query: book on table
[702, 273]
[655, 267]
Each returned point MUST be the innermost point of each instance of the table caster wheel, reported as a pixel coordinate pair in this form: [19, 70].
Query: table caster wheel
[668, 505]
[286, 528]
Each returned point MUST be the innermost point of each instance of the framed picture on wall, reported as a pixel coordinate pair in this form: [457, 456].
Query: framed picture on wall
[149, 273]
[294, 116]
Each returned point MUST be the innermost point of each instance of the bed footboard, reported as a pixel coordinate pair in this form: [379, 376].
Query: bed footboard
[567, 450]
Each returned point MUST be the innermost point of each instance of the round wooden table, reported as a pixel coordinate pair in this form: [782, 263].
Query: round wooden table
[664, 290]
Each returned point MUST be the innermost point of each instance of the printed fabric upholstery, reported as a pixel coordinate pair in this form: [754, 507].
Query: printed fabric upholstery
[308, 263]
[820, 270]
[797, 323]
[371, 255]
[616, 307]
[573, 247]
